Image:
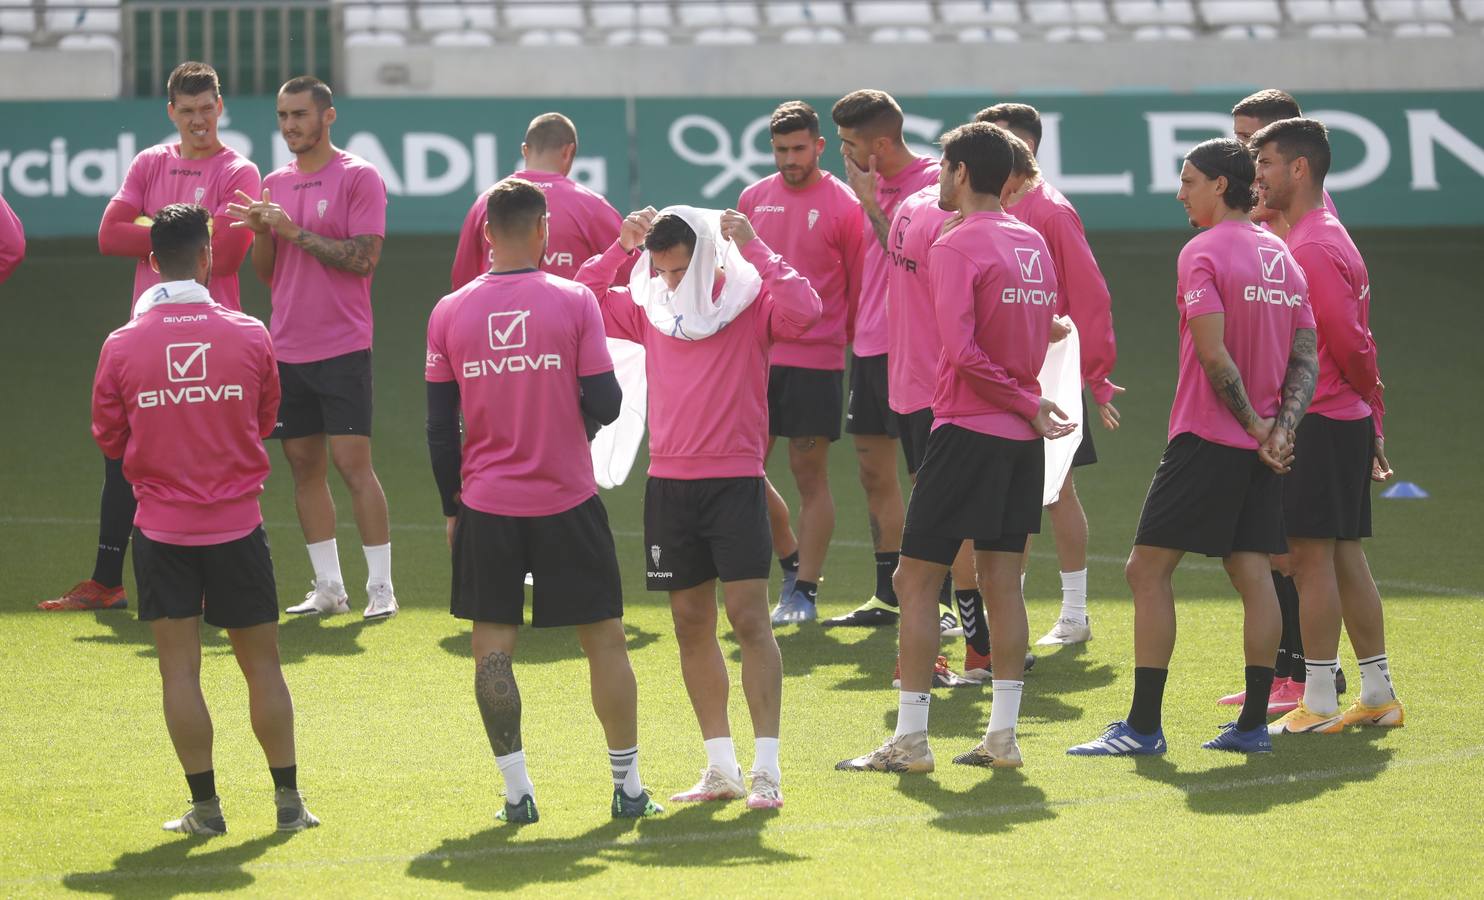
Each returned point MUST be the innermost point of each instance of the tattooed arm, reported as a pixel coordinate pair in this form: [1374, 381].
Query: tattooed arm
[357, 255]
[1207, 333]
[1298, 389]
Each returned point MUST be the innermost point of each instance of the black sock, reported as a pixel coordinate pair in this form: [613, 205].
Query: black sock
[115, 520]
[790, 563]
[809, 589]
[1300, 674]
[1149, 698]
[1255, 709]
[971, 616]
[945, 593]
[285, 778]
[203, 785]
[886, 566]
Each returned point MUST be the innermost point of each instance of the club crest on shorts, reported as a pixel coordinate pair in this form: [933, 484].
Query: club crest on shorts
[321, 206]
[654, 554]
[813, 217]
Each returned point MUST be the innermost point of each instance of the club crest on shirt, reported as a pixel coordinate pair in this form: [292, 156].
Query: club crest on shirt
[320, 207]
[813, 217]
[200, 192]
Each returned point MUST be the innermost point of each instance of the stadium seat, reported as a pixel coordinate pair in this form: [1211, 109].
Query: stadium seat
[900, 34]
[78, 17]
[463, 37]
[1082, 33]
[1310, 11]
[550, 37]
[1154, 12]
[13, 42]
[1163, 33]
[718, 14]
[377, 17]
[631, 15]
[17, 18]
[376, 39]
[90, 41]
[979, 12]
[1241, 12]
[1413, 10]
[543, 14]
[805, 34]
[1423, 30]
[455, 17]
[903, 12]
[1248, 33]
[785, 14]
[640, 37]
[994, 35]
[725, 35]
[1067, 12]
[1329, 31]
[1473, 10]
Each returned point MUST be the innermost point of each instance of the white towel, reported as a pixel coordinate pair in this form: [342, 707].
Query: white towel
[617, 443]
[1061, 383]
[688, 312]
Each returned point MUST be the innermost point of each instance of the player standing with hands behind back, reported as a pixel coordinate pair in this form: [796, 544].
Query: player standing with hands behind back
[318, 231]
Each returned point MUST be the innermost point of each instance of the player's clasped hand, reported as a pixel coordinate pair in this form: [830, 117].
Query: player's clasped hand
[736, 228]
[1380, 465]
[1050, 422]
[635, 226]
[1276, 451]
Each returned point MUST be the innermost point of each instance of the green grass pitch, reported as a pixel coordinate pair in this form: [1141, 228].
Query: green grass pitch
[393, 757]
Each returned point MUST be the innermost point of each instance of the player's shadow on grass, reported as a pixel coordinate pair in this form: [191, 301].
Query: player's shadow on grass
[182, 865]
[299, 637]
[810, 647]
[706, 842]
[1302, 768]
[537, 646]
[1000, 801]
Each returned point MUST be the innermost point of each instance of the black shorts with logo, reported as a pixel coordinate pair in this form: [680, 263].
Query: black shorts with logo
[230, 584]
[867, 412]
[915, 428]
[977, 487]
[1327, 493]
[570, 556]
[697, 530]
[805, 403]
[1212, 499]
[1086, 453]
[330, 396]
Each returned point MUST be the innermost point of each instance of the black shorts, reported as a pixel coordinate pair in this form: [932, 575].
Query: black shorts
[331, 396]
[230, 585]
[1327, 494]
[1212, 499]
[975, 487]
[805, 403]
[915, 428]
[1086, 454]
[868, 413]
[697, 530]
[570, 556]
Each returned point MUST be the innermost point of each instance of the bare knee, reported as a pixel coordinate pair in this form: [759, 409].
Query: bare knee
[751, 625]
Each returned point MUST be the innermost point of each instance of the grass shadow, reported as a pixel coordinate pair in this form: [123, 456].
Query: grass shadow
[299, 637]
[174, 868]
[999, 802]
[808, 648]
[537, 646]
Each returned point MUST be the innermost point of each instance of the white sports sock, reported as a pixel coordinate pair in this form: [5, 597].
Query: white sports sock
[325, 558]
[378, 564]
[765, 757]
[912, 711]
[721, 755]
[1074, 595]
[1375, 681]
[1319, 690]
[517, 782]
[1004, 708]
[625, 764]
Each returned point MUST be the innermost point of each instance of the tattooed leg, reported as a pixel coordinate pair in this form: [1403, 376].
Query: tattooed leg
[494, 686]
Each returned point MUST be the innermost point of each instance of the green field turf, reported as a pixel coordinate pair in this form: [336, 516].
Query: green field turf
[394, 760]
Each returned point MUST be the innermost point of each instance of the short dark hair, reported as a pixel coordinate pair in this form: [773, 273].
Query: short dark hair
[1298, 137]
[177, 236]
[1228, 158]
[874, 112]
[669, 230]
[514, 206]
[550, 131]
[985, 150]
[192, 78]
[795, 115]
[1268, 105]
[1017, 117]
[323, 97]
[1025, 159]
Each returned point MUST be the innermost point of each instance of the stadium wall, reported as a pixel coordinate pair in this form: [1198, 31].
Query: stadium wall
[1401, 158]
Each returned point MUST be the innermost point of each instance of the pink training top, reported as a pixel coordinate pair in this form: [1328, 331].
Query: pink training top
[913, 345]
[185, 394]
[1340, 295]
[1084, 292]
[12, 240]
[1240, 271]
[708, 399]
[160, 176]
[320, 312]
[994, 291]
[870, 321]
[516, 343]
[820, 232]
[582, 224]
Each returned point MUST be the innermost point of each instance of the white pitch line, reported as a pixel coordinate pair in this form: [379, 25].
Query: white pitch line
[1191, 562]
[773, 830]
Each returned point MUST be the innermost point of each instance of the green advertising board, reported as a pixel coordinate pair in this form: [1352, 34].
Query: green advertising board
[1399, 158]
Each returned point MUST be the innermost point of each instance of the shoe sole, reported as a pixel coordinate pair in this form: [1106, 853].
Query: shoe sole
[298, 826]
[764, 804]
[122, 604]
[378, 616]
[913, 769]
[1377, 721]
[1045, 643]
[705, 798]
[839, 623]
[1330, 728]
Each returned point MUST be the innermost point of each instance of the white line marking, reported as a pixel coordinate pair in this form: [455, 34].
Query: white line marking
[773, 830]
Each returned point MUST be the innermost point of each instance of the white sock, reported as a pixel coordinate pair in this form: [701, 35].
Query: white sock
[1375, 681]
[378, 564]
[1074, 595]
[765, 758]
[1022, 584]
[517, 782]
[912, 711]
[1004, 708]
[325, 558]
[721, 755]
[625, 765]
[1319, 690]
